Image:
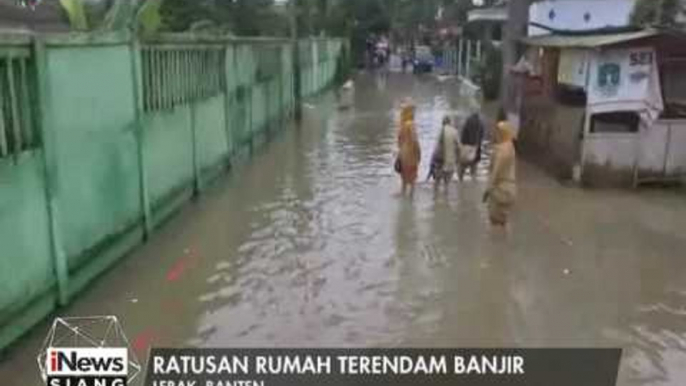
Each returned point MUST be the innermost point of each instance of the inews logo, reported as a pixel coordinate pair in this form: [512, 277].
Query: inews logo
[87, 366]
[91, 351]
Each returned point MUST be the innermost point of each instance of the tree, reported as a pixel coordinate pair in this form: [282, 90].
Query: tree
[655, 12]
[106, 14]
[252, 17]
[76, 11]
[457, 10]
[241, 17]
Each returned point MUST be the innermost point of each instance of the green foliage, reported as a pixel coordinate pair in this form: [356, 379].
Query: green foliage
[118, 14]
[180, 15]
[76, 12]
[241, 17]
[668, 12]
[251, 17]
[111, 14]
[315, 17]
[491, 72]
[149, 16]
[655, 12]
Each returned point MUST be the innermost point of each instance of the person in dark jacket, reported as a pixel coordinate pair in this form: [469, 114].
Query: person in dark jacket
[470, 142]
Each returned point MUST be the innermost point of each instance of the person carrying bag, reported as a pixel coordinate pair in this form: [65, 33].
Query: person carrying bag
[470, 145]
[446, 154]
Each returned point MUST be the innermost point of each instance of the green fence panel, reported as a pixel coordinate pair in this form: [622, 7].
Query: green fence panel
[258, 107]
[26, 269]
[168, 154]
[210, 132]
[26, 261]
[92, 115]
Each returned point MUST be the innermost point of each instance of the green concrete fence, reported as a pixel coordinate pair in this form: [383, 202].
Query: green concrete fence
[103, 137]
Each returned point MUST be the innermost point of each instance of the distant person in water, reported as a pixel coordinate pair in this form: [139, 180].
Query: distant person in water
[446, 154]
[470, 145]
[502, 186]
[409, 150]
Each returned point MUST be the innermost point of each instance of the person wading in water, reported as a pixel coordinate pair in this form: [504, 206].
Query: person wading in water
[409, 150]
[502, 187]
[445, 155]
[470, 145]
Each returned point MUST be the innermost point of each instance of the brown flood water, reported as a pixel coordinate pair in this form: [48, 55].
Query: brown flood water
[308, 245]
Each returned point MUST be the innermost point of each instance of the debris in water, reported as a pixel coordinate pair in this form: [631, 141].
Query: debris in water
[308, 106]
[566, 271]
[177, 270]
[134, 300]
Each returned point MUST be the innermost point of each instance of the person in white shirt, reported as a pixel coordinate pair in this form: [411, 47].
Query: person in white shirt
[446, 154]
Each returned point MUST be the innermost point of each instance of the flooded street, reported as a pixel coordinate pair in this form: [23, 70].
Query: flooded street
[309, 245]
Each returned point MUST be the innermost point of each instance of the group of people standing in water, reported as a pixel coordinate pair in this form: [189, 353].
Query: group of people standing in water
[458, 153]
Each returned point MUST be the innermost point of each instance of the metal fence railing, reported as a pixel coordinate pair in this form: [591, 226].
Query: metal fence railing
[463, 59]
[174, 76]
[16, 94]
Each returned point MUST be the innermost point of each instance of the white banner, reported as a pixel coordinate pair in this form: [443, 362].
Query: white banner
[625, 80]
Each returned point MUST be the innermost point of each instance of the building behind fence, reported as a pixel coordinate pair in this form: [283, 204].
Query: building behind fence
[102, 138]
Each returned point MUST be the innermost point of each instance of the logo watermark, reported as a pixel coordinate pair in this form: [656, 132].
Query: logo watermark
[87, 351]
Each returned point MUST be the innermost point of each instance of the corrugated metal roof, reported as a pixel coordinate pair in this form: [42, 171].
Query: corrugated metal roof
[587, 41]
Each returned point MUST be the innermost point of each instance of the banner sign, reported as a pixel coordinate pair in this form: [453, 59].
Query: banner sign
[380, 367]
[625, 80]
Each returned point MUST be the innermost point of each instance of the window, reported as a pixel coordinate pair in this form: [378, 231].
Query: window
[497, 32]
[571, 96]
[615, 122]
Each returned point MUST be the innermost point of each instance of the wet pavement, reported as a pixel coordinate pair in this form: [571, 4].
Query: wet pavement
[309, 245]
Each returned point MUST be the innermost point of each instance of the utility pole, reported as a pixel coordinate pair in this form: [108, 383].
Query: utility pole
[293, 11]
[515, 29]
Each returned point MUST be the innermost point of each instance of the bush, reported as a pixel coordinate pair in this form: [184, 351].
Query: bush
[491, 72]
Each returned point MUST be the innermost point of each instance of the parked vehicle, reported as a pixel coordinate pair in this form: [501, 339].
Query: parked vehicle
[423, 60]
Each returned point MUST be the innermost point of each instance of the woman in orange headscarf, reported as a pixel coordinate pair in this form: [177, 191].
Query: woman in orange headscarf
[409, 151]
[502, 187]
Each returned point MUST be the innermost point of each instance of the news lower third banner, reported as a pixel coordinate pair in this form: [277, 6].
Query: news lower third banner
[380, 367]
